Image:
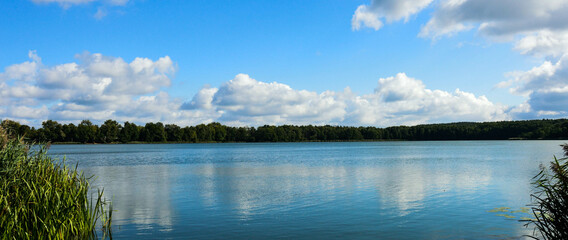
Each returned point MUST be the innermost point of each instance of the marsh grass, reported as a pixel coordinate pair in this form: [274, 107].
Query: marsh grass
[41, 198]
[550, 200]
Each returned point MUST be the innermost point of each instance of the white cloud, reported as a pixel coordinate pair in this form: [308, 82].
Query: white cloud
[25, 71]
[100, 87]
[396, 100]
[28, 112]
[96, 87]
[535, 27]
[373, 15]
[404, 100]
[544, 43]
[367, 17]
[244, 99]
[539, 28]
[203, 99]
[546, 87]
[497, 19]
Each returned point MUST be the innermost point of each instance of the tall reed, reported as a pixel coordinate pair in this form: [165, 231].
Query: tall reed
[41, 198]
[550, 200]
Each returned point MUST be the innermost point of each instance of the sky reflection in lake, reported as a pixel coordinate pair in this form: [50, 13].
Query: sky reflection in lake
[399, 190]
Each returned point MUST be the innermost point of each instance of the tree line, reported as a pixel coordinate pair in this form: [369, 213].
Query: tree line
[112, 131]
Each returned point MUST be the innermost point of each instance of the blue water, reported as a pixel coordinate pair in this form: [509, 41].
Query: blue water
[355, 190]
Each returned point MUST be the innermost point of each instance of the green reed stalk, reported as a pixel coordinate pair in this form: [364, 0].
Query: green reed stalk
[44, 199]
[550, 200]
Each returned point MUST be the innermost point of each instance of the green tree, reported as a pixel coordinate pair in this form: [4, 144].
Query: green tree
[189, 134]
[109, 130]
[205, 133]
[220, 131]
[86, 131]
[154, 132]
[12, 128]
[173, 133]
[53, 131]
[266, 133]
[70, 131]
[129, 132]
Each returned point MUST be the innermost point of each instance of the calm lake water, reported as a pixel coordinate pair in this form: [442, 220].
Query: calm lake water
[355, 190]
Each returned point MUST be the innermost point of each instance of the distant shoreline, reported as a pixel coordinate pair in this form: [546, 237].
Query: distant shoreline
[338, 141]
[112, 132]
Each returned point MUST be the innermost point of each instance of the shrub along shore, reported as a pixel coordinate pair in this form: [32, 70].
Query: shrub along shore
[41, 198]
[113, 132]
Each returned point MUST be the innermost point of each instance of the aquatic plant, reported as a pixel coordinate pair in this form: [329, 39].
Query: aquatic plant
[550, 200]
[41, 198]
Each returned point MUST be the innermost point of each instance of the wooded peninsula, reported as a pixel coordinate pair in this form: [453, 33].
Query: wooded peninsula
[113, 132]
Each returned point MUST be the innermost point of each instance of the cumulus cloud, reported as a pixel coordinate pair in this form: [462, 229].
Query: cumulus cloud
[99, 87]
[546, 87]
[25, 71]
[544, 43]
[536, 28]
[244, 99]
[95, 80]
[404, 99]
[373, 15]
[95, 87]
[500, 20]
[396, 100]
[202, 100]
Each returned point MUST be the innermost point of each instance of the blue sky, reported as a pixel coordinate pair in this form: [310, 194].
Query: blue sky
[378, 63]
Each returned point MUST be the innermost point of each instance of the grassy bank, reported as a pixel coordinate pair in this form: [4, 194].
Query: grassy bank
[44, 199]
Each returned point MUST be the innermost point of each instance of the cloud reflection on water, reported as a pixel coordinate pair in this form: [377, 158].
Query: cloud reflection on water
[142, 194]
[257, 189]
[139, 194]
[235, 189]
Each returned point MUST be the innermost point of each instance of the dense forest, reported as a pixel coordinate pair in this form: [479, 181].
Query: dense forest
[113, 132]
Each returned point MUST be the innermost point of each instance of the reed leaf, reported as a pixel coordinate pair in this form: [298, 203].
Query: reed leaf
[550, 200]
[42, 198]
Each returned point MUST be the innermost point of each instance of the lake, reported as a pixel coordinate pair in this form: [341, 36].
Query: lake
[335, 190]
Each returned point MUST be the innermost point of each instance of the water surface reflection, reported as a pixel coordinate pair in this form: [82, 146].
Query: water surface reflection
[403, 190]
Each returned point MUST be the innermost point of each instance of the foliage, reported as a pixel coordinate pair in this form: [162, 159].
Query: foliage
[86, 132]
[153, 132]
[108, 132]
[111, 131]
[43, 199]
[129, 132]
[550, 206]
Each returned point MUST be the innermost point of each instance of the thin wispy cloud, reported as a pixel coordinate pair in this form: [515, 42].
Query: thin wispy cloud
[102, 9]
